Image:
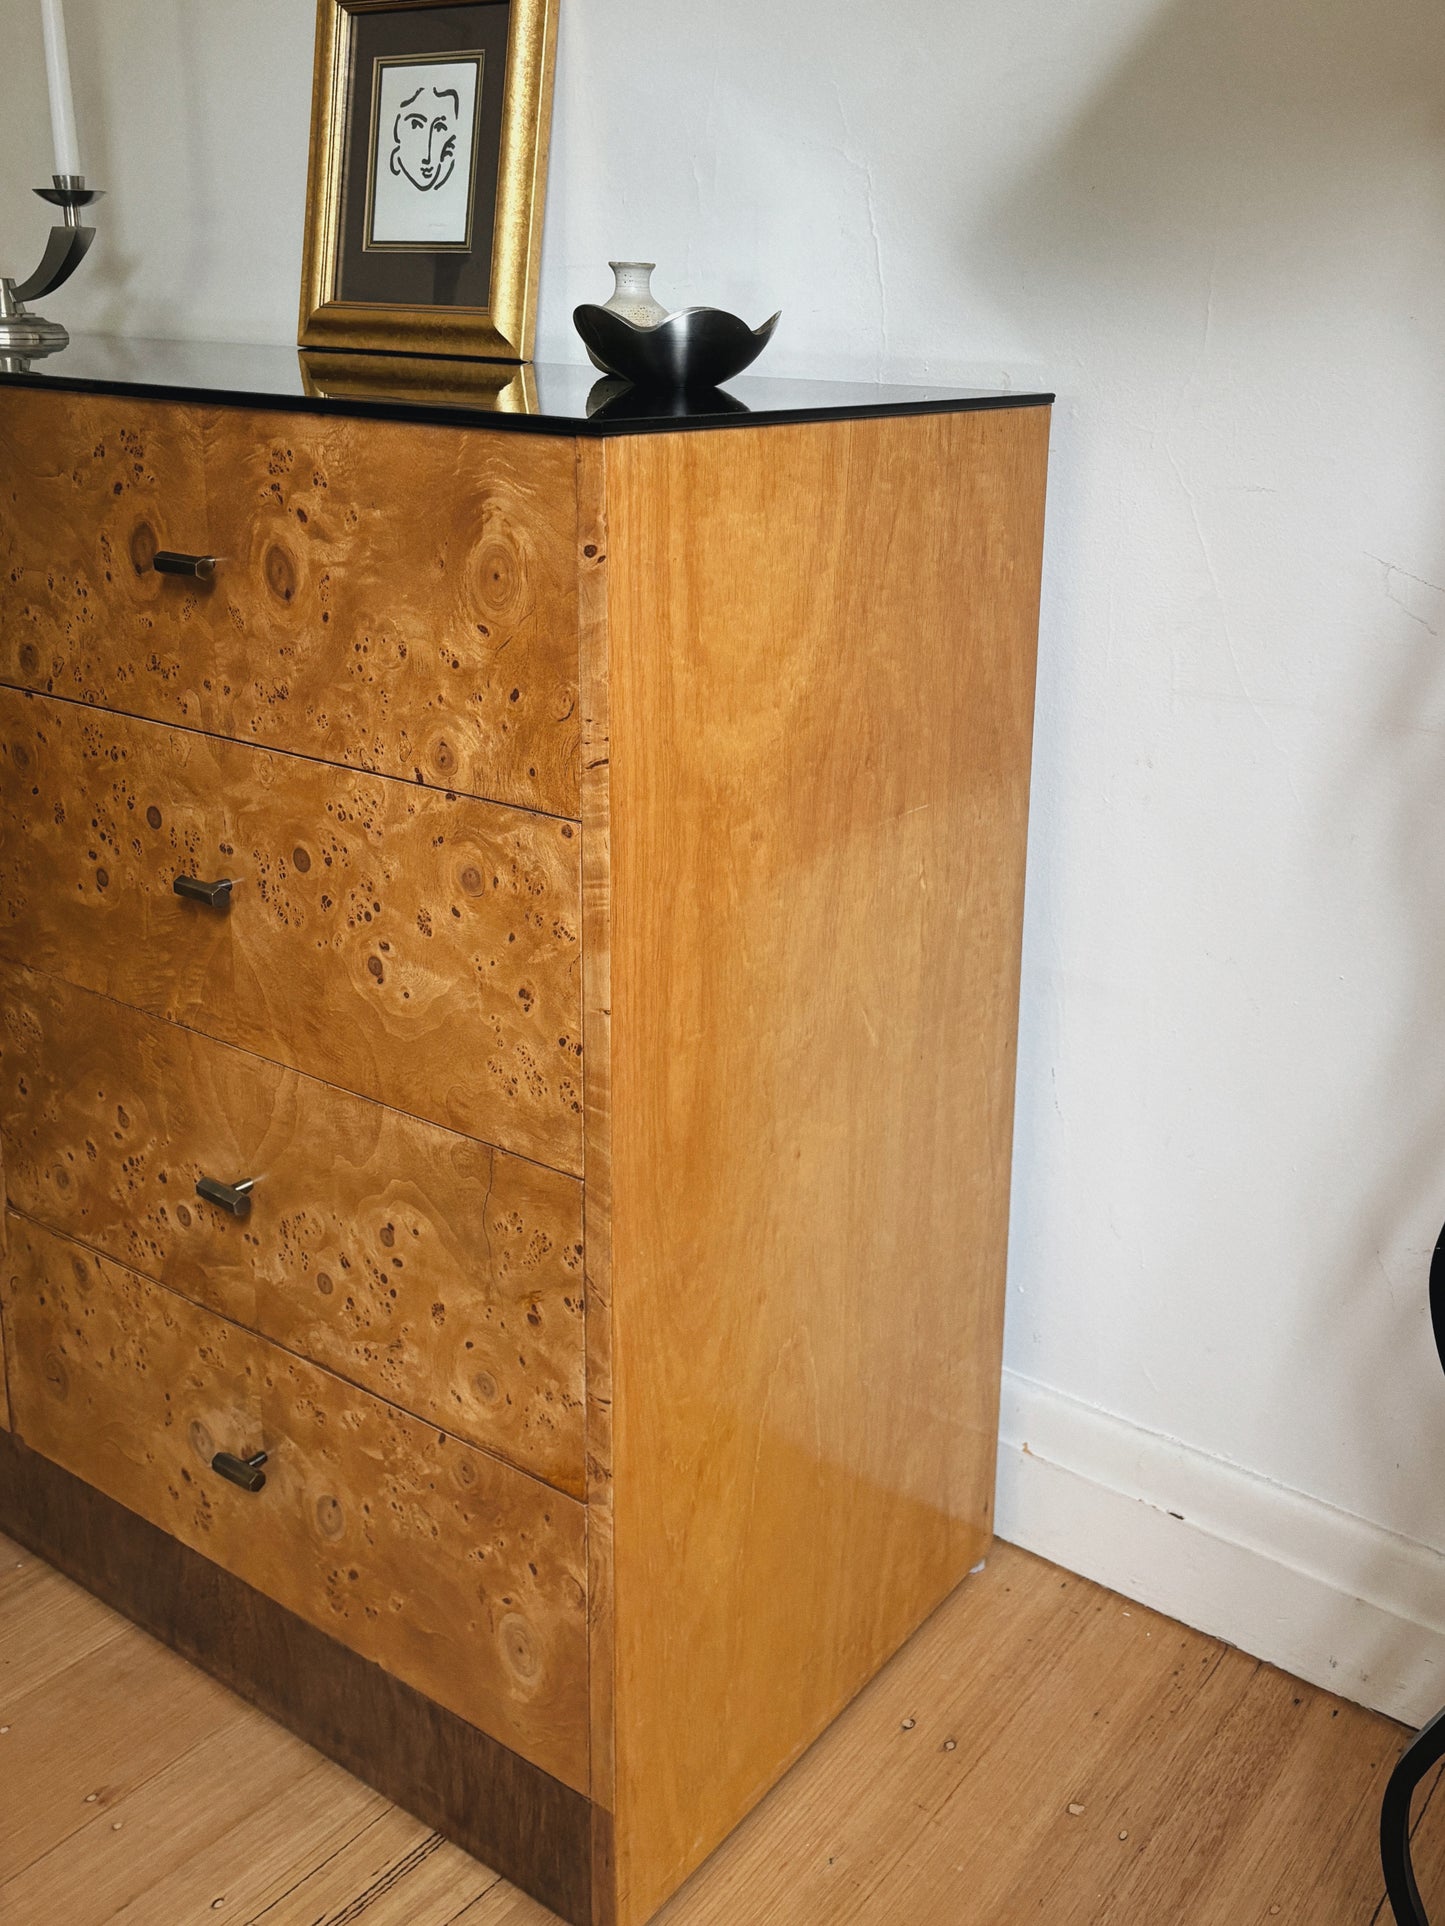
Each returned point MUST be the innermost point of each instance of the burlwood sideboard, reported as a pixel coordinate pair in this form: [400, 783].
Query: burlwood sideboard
[509, 944]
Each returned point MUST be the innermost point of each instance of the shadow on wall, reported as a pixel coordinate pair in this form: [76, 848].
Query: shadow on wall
[1286, 134]
[1268, 118]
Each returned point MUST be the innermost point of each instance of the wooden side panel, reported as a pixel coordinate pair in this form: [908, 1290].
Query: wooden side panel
[417, 947]
[505, 1812]
[822, 649]
[461, 1576]
[397, 597]
[437, 1272]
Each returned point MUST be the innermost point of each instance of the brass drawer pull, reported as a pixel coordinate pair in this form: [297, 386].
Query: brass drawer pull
[245, 1472]
[236, 1198]
[200, 568]
[217, 894]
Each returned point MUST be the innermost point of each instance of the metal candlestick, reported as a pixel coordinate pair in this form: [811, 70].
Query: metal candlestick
[22, 334]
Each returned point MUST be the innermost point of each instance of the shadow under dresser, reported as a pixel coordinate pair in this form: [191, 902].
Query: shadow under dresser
[509, 944]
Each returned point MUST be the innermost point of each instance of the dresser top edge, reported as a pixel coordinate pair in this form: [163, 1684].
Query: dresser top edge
[545, 398]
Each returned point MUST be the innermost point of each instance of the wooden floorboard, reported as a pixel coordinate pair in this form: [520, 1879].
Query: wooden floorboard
[45, 1628]
[1042, 1750]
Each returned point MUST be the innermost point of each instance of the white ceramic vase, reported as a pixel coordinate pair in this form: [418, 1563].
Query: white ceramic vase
[632, 297]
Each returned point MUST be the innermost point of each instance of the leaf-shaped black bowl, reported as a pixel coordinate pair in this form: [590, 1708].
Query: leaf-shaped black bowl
[694, 348]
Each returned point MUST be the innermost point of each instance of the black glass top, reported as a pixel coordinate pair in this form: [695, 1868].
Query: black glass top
[556, 398]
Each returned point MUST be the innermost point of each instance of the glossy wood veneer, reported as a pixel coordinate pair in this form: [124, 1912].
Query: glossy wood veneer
[433, 1270]
[820, 667]
[461, 1576]
[417, 947]
[398, 598]
[510, 1814]
[805, 690]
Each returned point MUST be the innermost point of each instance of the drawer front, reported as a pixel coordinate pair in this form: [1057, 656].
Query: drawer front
[453, 1572]
[396, 597]
[416, 947]
[439, 1273]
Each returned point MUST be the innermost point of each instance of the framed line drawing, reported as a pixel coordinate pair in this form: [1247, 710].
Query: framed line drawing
[429, 133]
[421, 169]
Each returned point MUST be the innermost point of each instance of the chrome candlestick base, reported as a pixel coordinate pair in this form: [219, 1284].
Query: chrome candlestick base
[25, 336]
[23, 333]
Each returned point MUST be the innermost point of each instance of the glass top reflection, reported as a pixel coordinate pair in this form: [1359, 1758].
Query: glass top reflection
[540, 397]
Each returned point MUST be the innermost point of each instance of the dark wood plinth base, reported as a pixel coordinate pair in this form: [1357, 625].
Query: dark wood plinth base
[534, 1830]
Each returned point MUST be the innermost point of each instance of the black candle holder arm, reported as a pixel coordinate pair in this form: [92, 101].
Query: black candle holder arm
[65, 249]
[26, 334]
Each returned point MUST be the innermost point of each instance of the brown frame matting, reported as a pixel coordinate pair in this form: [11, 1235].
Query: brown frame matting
[509, 1814]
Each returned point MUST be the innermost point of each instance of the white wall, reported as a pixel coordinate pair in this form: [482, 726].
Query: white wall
[1218, 229]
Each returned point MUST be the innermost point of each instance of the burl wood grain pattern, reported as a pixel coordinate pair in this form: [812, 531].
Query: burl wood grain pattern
[510, 1815]
[821, 663]
[435, 1271]
[461, 1576]
[414, 946]
[396, 597]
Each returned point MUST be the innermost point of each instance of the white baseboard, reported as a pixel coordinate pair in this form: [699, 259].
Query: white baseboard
[1327, 1596]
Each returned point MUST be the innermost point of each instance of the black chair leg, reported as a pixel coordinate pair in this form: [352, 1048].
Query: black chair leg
[1426, 1749]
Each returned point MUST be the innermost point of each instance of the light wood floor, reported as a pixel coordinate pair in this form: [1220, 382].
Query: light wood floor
[1042, 1751]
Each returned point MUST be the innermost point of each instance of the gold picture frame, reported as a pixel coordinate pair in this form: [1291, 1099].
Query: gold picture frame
[478, 299]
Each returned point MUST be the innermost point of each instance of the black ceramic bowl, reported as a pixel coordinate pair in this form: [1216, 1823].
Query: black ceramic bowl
[694, 348]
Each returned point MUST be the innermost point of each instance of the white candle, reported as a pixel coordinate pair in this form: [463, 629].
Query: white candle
[62, 103]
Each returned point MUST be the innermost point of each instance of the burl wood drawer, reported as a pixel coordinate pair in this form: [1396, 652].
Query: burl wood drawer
[442, 1274]
[397, 597]
[456, 1573]
[417, 947]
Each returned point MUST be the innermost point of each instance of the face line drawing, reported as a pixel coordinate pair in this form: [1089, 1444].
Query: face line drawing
[424, 137]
